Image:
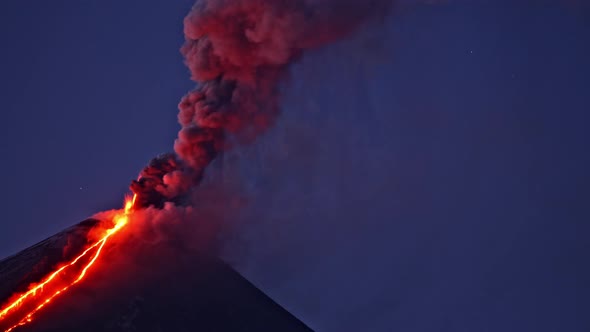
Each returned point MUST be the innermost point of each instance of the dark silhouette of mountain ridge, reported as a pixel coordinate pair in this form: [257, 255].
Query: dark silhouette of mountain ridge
[201, 294]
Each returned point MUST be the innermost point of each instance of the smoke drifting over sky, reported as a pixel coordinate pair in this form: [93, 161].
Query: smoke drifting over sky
[238, 52]
[430, 192]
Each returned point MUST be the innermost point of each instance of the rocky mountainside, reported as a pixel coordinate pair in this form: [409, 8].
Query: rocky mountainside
[203, 294]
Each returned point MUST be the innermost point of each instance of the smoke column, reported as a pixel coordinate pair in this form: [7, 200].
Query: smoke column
[238, 52]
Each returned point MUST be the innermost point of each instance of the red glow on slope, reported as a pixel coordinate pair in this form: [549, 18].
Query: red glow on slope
[35, 295]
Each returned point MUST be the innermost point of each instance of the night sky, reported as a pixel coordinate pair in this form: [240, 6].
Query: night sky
[428, 174]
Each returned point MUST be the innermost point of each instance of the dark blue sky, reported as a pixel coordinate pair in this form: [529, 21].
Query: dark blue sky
[89, 95]
[430, 174]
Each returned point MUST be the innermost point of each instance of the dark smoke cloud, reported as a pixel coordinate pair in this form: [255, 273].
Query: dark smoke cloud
[238, 52]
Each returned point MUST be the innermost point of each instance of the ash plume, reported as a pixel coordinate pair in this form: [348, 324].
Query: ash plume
[238, 52]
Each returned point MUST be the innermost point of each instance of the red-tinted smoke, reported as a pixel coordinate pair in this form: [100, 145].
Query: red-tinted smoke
[238, 51]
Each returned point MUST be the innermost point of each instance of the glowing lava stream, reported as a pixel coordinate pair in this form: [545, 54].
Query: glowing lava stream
[120, 220]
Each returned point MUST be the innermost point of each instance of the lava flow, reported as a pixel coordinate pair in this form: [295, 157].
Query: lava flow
[35, 294]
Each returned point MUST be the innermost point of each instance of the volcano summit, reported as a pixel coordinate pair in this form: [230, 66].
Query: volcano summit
[200, 294]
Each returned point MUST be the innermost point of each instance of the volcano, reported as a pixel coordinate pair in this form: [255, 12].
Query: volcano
[192, 294]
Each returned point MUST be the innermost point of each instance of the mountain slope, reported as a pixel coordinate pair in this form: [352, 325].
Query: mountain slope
[197, 294]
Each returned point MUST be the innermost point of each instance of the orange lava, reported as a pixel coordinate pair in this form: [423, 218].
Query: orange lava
[35, 293]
